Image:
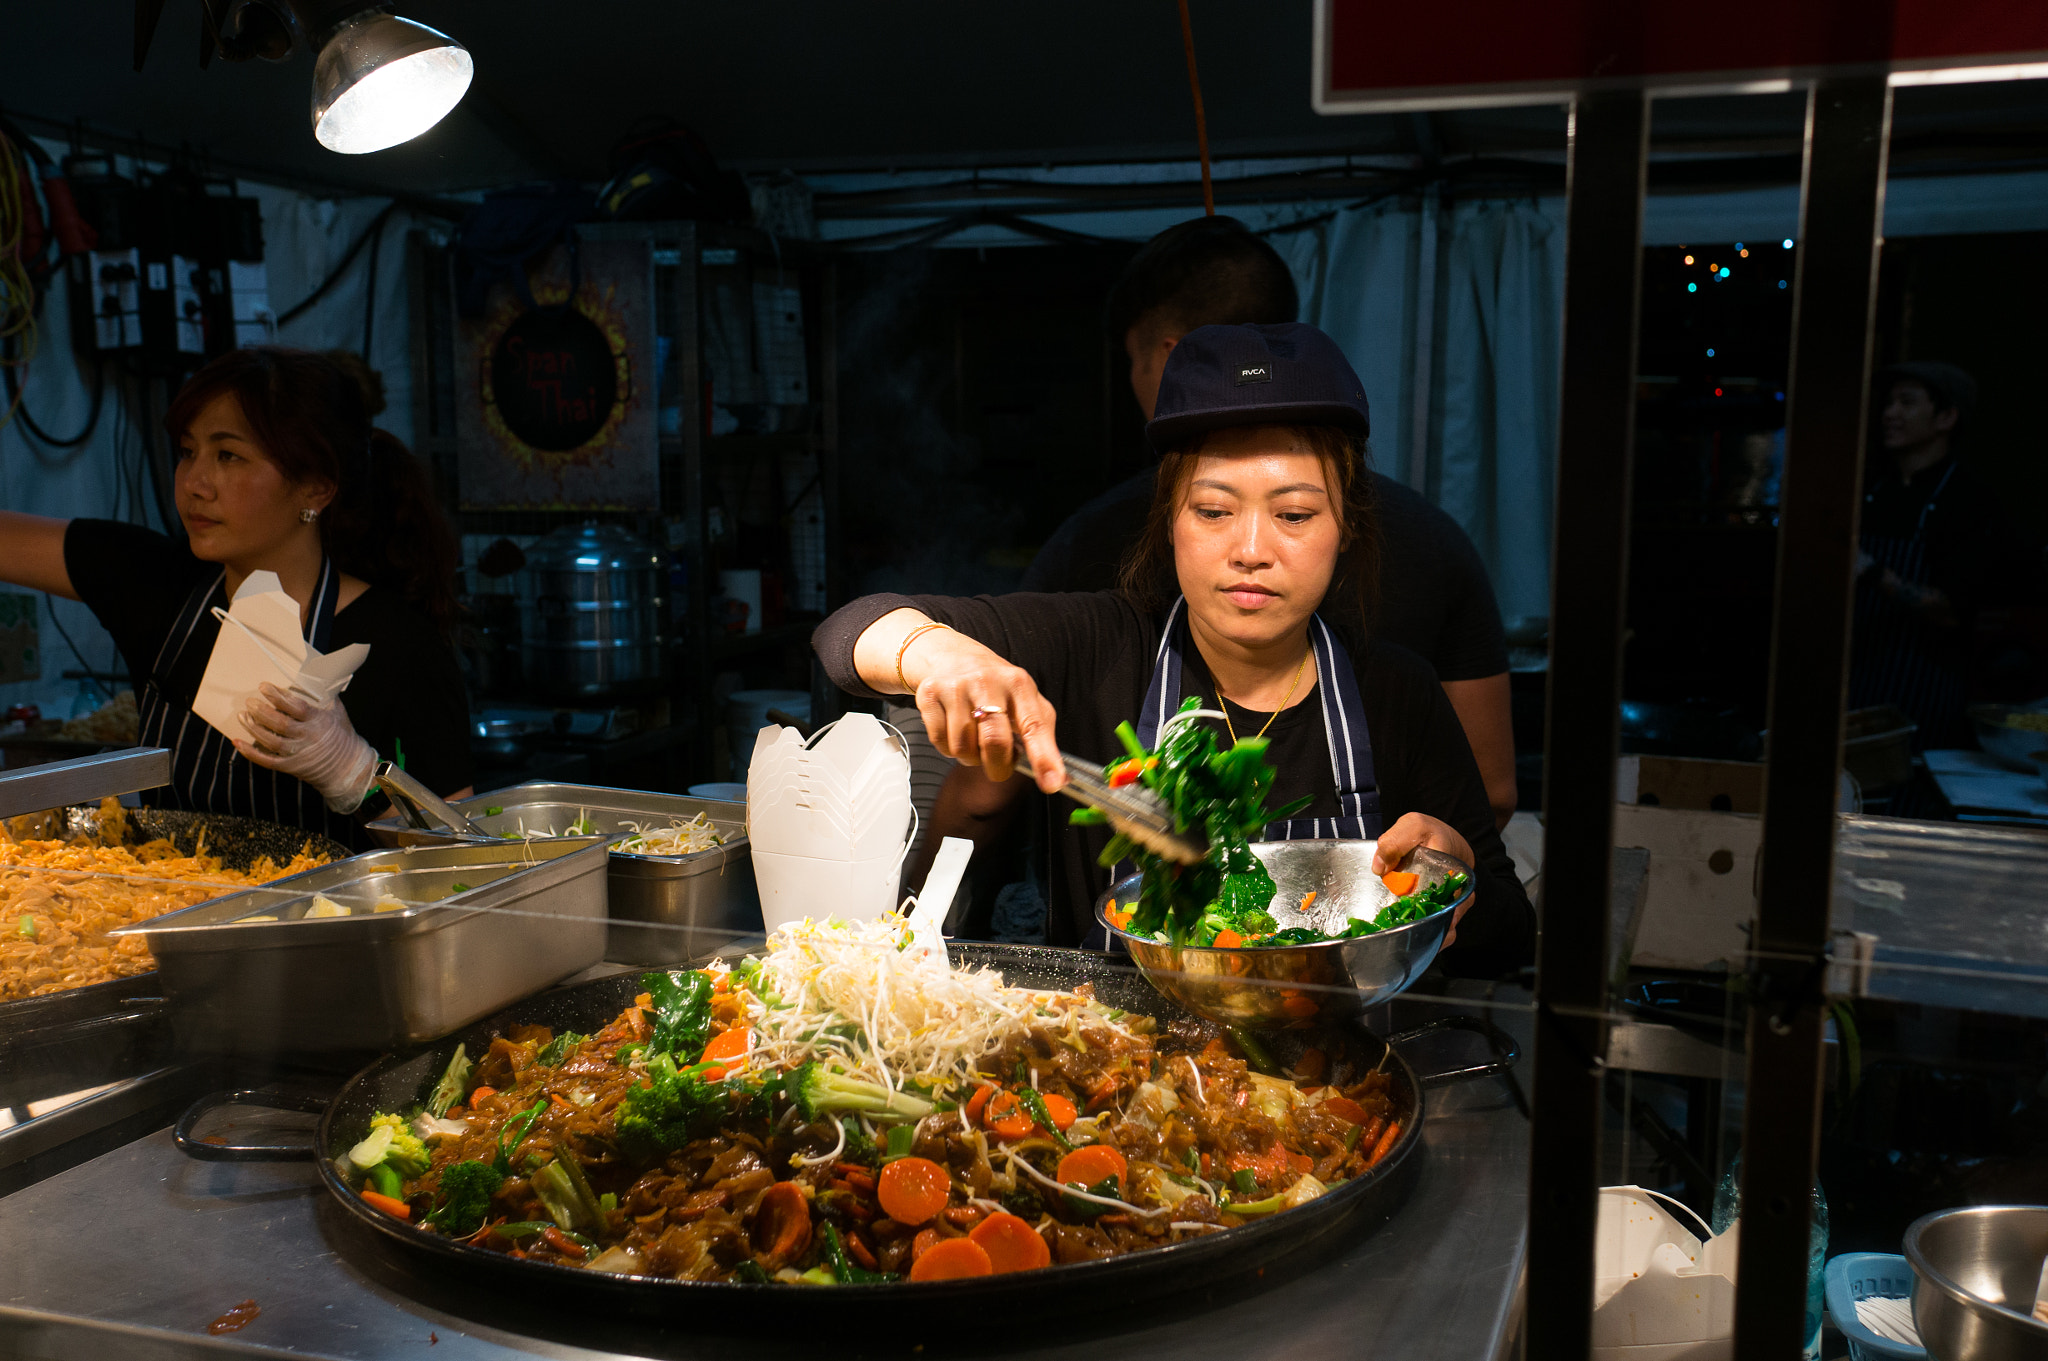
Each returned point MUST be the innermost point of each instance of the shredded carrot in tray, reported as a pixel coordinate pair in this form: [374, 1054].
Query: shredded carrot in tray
[58, 900]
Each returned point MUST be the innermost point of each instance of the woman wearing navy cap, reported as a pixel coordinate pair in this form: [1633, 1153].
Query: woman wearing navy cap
[1264, 511]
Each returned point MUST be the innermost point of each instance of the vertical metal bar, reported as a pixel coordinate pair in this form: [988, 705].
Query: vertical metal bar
[1848, 123]
[1589, 575]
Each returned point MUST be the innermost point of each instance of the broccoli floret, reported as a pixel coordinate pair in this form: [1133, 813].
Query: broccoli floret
[675, 1106]
[860, 1149]
[407, 1155]
[820, 1092]
[466, 1191]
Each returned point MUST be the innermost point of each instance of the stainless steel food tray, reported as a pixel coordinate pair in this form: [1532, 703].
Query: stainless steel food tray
[483, 925]
[664, 909]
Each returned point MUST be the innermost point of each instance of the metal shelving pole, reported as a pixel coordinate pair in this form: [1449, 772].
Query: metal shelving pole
[1589, 587]
[1848, 122]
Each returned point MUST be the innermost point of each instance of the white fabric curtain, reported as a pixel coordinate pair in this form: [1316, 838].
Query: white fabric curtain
[1452, 318]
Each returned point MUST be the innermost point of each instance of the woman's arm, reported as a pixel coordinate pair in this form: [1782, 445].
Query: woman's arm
[974, 703]
[32, 553]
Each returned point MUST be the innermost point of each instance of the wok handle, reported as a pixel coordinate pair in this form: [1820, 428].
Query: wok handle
[1506, 1051]
[181, 1134]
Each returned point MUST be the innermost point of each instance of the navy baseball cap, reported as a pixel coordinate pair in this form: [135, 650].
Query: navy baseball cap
[1287, 373]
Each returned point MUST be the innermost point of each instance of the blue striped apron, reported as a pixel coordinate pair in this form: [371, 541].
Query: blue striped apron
[1351, 765]
[207, 774]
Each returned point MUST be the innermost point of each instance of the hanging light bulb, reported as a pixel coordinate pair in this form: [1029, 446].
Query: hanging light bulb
[380, 80]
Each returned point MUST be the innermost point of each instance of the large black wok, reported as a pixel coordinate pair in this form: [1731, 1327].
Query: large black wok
[399, 1082]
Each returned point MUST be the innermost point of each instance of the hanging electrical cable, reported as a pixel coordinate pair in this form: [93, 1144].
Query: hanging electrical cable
[17, 291]
[1187, 41]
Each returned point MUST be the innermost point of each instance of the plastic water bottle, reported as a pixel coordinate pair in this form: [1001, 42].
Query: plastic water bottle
[1728, 1208]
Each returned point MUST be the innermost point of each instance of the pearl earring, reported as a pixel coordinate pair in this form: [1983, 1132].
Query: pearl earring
[308, 515]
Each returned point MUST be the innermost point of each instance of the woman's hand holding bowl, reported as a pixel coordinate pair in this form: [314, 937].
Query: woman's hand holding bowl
[1420, 829]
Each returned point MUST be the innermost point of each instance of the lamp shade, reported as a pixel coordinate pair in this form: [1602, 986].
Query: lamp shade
[381, 80]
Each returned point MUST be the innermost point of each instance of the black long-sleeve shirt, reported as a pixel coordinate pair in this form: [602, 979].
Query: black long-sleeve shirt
[1091, 655]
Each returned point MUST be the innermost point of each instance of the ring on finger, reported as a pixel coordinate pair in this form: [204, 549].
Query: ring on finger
[982, 711]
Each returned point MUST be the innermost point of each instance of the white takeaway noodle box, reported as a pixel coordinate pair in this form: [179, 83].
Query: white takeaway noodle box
[795, 829]
[780, 766]
[793, 887]
[1659, 1292]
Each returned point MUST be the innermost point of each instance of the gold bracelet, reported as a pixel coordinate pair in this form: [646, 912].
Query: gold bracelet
[908, 639]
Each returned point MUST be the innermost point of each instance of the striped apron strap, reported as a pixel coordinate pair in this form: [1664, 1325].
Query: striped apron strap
[1351, 764]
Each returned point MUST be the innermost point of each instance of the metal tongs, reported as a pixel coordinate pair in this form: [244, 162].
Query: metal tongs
[1134, 810]
[416, 802]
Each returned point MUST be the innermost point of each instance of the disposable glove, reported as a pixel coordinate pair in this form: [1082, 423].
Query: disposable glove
[292, 734]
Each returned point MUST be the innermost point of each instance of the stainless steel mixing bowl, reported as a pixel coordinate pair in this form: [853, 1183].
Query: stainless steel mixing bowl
[1978, 1267]
[1296, 985]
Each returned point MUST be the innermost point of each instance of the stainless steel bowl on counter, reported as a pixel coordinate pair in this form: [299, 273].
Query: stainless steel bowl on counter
[2011, 746]
[664, 909]
[410, 945]
[1276, 987]
[1978, 1267]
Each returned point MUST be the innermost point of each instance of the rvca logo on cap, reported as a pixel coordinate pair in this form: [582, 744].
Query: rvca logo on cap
[1254, 373]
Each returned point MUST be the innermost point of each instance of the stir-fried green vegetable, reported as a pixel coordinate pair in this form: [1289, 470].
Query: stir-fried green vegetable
[682, 1011]
[1218, 794]
[1224, 902]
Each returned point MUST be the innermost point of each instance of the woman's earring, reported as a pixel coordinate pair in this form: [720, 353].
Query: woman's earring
[308, 515]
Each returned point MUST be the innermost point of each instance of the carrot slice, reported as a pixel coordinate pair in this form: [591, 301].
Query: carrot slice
[1312, 1064]
[1386, 1143]
[1400, 883]
[951, 1259]
[977, 1101]
[862, 1254]
[1060, 1109]
[397, 1209]
[1227, 939]
[912, 1190]
[925, 1238]
[1344, 1108]
[1011, 1244]
[782, 1223]
[1008, 1118]
[1089, 1164]
[729, 1047]
[480, 1093]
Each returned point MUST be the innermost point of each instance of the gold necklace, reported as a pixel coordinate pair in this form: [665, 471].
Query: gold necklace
[1232, 728]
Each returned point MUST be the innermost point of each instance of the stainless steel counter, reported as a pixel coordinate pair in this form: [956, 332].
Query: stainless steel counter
[136, 1251]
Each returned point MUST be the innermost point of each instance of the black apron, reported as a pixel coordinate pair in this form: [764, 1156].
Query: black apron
[207, 774]
[1350, 743]
[1899, 659]
[1351, 765]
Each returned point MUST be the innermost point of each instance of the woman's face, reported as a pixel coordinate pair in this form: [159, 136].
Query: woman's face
[1256, 538]
[237, 505]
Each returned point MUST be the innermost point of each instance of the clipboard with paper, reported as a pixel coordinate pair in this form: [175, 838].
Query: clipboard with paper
[260, 640]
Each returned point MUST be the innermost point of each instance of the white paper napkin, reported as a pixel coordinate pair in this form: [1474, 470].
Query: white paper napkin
[260, 641]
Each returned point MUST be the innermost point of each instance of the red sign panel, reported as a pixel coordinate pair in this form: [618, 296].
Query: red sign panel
[1371, 55]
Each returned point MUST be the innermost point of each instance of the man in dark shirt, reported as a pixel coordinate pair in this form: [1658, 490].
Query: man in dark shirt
[1434, 596]
[1935, 544]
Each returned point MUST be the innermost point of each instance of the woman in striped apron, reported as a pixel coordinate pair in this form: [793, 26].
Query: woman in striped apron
[280, 470]
[1262, 511]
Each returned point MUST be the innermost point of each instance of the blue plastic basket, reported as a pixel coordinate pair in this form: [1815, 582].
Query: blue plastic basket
[1856, 1276]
